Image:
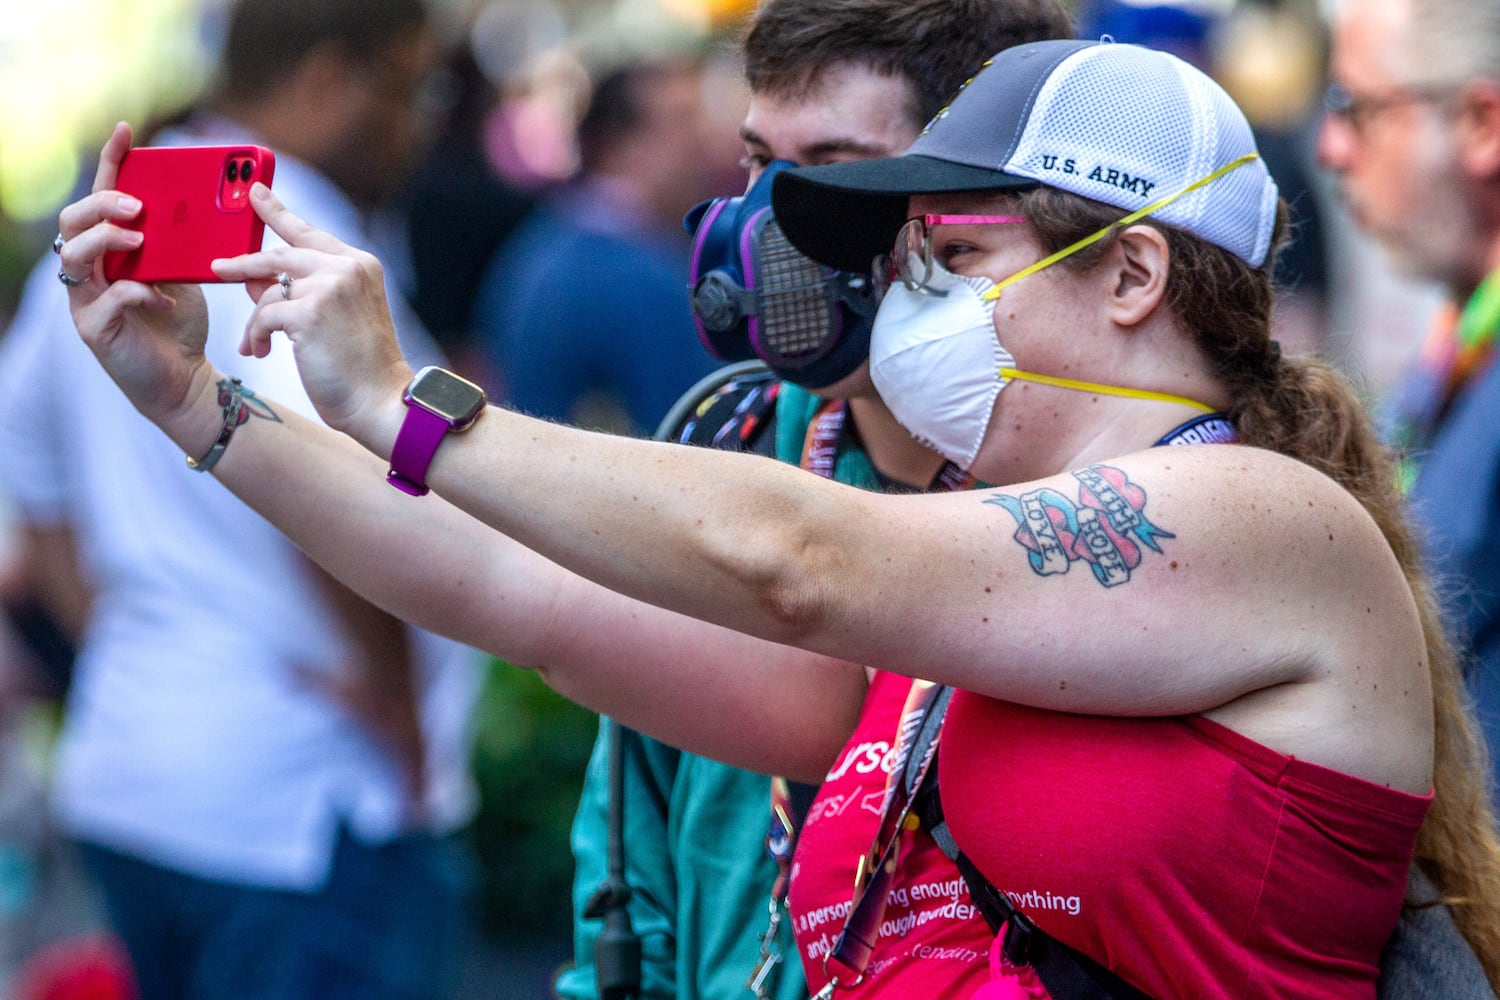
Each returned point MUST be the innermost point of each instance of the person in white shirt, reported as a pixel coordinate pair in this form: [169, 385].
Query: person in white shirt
[263, 771]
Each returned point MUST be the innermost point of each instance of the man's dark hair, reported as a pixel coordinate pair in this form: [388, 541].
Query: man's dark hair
[934, 44]
[266, 37]
[620, 104]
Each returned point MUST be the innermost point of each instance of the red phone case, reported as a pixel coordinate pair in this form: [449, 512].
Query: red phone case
[196, 207]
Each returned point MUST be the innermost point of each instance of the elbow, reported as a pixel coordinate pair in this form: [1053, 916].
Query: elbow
[792, 607]
[782, 556]
[793, 587]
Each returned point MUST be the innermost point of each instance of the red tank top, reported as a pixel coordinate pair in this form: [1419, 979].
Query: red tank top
[1189, 860]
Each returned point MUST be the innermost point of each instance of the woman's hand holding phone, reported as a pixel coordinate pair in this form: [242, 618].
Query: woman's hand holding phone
[149, 338]
[334, 311]
[195, 208]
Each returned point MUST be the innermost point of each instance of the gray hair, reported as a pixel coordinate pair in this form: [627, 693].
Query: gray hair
[1452, 41]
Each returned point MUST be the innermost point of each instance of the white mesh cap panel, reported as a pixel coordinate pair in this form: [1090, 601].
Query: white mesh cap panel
[1087, 134]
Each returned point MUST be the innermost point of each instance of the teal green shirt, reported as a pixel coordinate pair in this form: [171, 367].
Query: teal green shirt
[697, 865]
[795, 409]
[695, 830]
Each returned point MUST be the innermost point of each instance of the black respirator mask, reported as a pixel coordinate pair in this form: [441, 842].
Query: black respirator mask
[755, 296]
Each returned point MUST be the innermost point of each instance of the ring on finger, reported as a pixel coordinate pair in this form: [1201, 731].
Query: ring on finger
[68, 279]
[285, 281]
[57, 243]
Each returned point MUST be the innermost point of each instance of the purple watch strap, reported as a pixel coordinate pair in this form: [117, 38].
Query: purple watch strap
[417, 441]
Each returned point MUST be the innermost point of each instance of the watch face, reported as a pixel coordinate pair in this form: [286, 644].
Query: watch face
[455, 399]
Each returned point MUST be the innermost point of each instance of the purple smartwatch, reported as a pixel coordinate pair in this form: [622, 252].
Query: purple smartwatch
[437, 401]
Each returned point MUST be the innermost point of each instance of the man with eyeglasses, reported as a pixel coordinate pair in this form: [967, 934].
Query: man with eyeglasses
[1412, 133]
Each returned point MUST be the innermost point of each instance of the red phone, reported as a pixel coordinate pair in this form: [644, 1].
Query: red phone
[195, 208]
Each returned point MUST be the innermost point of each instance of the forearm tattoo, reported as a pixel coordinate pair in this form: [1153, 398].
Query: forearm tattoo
[254, 406]
[1105, 528]
[238, 404]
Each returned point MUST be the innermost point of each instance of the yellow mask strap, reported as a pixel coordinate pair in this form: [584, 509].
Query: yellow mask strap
[1106, 390]
[993, 293]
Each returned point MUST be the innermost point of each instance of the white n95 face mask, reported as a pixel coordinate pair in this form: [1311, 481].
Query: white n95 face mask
[938, 364]
[936, 361]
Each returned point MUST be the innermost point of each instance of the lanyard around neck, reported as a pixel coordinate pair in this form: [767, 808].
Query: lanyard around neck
[824, 442]
[874, 877]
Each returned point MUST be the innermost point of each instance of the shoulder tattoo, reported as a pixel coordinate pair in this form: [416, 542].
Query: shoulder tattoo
[1106, 527]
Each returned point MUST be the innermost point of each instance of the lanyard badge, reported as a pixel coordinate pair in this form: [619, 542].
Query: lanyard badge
[916, 746]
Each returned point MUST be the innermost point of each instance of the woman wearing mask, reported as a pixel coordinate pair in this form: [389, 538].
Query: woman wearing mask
[1202, 717]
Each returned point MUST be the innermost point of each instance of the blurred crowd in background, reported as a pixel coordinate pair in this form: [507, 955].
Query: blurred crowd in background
[567, 138]
[506, 107]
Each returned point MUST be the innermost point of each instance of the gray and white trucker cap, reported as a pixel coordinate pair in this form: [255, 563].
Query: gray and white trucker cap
[1121, 124]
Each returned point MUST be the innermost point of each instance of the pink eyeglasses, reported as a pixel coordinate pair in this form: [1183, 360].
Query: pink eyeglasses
[911, 257]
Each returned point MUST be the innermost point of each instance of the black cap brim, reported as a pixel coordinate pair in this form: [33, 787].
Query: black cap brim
[844, 215]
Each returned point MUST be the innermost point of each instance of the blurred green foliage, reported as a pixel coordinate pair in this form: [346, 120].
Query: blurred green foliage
[20, 246]
[530, 750]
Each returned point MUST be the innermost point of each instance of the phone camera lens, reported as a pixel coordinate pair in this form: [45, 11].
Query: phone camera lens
[234, 171]
[245, 169]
